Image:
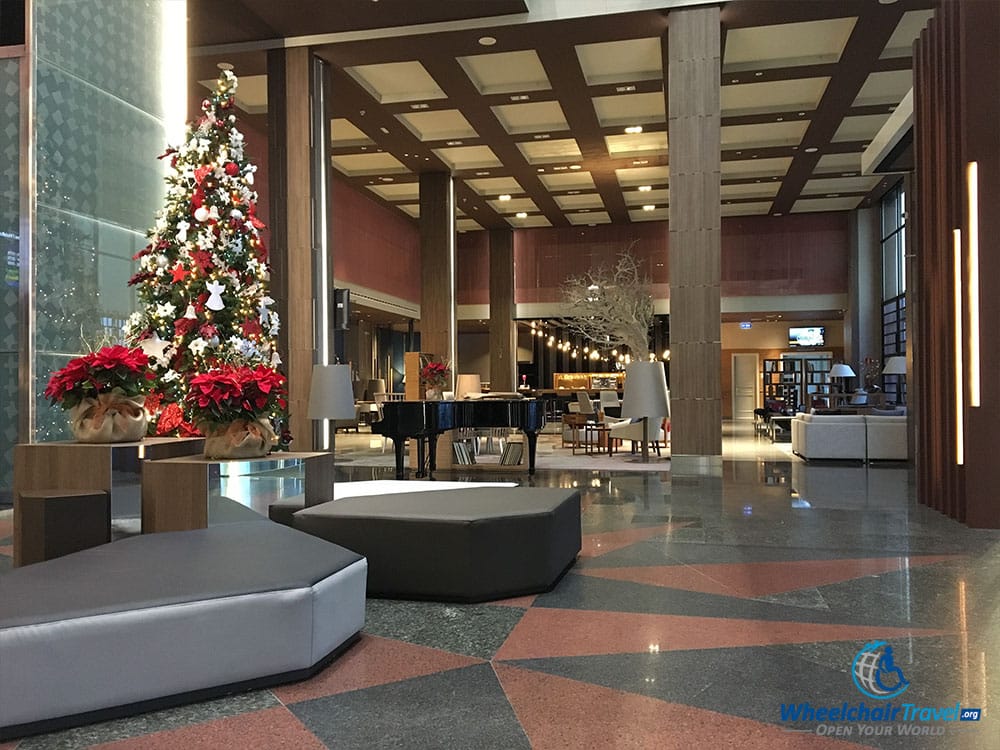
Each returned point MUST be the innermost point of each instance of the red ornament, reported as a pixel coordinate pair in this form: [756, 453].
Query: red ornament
[184, 326]
[197, 200]
[203, 261]
[179, 273]
[232, 169]
[251, 328]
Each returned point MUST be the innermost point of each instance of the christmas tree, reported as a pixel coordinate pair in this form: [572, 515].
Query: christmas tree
[202, 279]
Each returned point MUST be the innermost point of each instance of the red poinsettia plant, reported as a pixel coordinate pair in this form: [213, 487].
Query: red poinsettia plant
[435, 374]
[111, 369]
[235, 392]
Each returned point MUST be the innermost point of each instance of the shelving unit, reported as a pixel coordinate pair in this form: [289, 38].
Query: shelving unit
[797, 381]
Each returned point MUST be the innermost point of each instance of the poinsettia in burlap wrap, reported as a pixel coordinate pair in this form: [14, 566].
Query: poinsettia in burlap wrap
[232, 406]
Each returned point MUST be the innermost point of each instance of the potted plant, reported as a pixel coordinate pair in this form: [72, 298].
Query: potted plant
[104, 393]
[434, 376]
[232, 406]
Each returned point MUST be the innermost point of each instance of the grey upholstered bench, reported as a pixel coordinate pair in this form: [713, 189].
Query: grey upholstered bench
[458, 545]
[162, 619]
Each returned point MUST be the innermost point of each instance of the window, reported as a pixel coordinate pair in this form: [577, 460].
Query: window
[894, 287]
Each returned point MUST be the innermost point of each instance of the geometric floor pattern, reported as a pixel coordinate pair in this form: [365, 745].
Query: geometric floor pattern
[686, 622]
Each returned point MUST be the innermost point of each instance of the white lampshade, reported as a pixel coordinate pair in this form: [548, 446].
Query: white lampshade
[646, 391]
[840, 370]
[331, 395]
[467, 384]
[895, 366]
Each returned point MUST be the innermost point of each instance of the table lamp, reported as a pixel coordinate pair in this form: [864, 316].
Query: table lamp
[896, 366]
[841, 371]
[645, 397]
[468, 384]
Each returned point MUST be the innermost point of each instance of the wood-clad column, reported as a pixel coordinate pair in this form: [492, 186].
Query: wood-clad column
[956, 107]
[692, 62]
[979, 109]
[437, 267]
[503, 329]
[290, 179]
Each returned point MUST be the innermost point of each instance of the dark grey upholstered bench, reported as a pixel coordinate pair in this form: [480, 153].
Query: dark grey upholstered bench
[455, 545]
[162, 619]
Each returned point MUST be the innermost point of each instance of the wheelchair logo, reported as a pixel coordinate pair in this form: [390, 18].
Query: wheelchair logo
[875, 674]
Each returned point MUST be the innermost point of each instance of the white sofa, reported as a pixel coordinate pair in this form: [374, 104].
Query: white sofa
[829, 436]
[886, 438]
[849, 436]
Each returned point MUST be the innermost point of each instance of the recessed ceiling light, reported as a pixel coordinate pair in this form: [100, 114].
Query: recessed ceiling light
[645, 188]
[758, 74]
[573, 192]
[802, 114]
[780, 119]
[521, 214]
[453, 143]
[649, 207]
[420, 105]
[559, 169]
[541, 169]
[574, 166]
[487, 41]
[624, 89]
[812, 150]
[847, 174]
[735, 80]
[778, 213]
[640, 162]
[633, 129]
[503, 197]
[541, 136]
[519, 98]
[224, 66]
[833, 195]
[385, 130]
[386, 179]
[481, 174]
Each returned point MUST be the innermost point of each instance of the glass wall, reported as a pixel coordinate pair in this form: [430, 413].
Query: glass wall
[10, 196]
[98, 81]
[894, 287]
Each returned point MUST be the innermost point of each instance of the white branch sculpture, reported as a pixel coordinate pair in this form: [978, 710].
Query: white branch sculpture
[612, 306]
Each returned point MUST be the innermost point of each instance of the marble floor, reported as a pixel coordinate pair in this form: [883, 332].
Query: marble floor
[703, 612]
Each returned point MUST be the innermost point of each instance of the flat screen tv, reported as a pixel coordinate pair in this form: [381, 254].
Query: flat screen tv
[811, 336]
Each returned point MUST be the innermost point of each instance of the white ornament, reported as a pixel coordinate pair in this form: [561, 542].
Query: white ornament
[275, 360]
[215, 300]
[161, 261]
[182, 231]
[198, 346]
[191, 312]
[155, 347]
[171, 375]
[166, 310]
[249, 178]
[263, 311]
[201, 213]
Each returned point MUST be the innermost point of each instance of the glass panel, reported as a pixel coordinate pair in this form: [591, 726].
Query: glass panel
[98, 132]
[10, 211]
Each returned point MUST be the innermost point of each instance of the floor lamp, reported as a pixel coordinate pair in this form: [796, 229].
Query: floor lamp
[331, 396]
[645, 397]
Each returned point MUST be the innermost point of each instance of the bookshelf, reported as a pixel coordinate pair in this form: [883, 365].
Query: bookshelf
[798, 381]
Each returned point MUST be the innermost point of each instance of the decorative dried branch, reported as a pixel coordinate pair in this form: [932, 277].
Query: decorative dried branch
[612, 306]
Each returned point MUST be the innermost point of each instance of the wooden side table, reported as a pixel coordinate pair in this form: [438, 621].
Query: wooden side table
[175, 491]
[53, 523]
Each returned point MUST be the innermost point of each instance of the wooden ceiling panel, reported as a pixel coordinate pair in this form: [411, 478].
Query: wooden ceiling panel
[539, 110]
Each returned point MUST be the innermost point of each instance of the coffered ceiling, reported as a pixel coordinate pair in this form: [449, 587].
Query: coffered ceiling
[563, 122]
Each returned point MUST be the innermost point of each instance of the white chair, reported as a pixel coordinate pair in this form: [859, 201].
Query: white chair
[629, 430]
[610, 404]
[586, 405]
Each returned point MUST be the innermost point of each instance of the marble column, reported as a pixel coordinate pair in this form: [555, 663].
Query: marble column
[437, 262]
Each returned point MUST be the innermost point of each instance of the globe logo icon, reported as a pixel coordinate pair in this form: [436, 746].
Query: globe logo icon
[875, 674]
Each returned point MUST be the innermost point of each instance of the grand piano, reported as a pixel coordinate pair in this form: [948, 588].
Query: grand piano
[425, 420]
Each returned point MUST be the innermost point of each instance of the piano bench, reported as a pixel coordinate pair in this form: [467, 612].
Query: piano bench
[455, 545]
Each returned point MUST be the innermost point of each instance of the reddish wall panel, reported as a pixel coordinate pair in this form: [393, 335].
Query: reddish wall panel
[761, 256]
[374, 246]
[800, 254]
